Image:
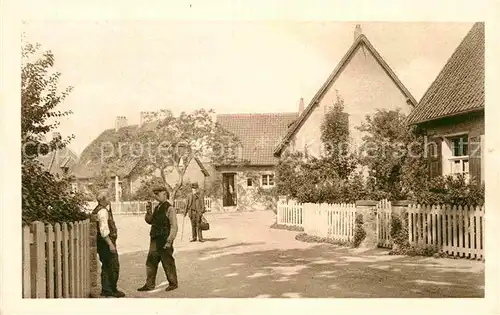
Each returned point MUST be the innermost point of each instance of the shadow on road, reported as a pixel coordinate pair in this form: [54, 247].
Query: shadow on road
[245, 270]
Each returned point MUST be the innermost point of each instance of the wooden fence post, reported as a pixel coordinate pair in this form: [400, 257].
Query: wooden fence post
[26, 262]
[39, 275]
[94, 264]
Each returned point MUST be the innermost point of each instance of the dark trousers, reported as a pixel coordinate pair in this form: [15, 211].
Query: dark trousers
[110, 268]
[195, 218]
[156, 254]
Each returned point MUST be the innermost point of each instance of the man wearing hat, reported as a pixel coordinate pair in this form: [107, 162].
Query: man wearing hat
[195, 206]
[163, 223]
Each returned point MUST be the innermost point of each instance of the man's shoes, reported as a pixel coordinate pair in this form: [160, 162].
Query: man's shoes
[171, 288]
[193, 240]
[107, 295]
[201, 240]
[145, 288]
[119, 294]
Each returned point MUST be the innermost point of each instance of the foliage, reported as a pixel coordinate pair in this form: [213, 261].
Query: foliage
[335, 138]
[315, 180]
[166, 143]
[329, 178]
[359, 231]
[44, 197]
[384, 151]
[452, 190]
[303, 237]
[39, 99]
[287, 227]
[47, 199]
[401, 244]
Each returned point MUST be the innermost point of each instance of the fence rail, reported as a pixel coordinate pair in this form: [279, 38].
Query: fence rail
[459, 231]
[56, 260]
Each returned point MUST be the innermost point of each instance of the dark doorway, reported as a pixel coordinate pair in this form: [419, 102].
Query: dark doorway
[228, 190]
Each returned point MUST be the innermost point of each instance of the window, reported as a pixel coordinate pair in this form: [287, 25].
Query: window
[267, 180]
[458, 154]
[249, 182]
[74, 187]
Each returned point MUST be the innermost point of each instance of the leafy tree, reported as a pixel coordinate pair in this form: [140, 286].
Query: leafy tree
[167, 144]
[39, 101]
[384, 152]
[44, 197]
[335, 139]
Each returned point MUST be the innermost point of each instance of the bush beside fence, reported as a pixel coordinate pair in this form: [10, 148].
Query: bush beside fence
[57, 260]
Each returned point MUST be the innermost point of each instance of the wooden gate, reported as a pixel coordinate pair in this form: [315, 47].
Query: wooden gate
[384, 212]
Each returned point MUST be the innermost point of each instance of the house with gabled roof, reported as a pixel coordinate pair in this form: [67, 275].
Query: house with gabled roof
[451, 112]
[123, 175]
[365, 82]
[258, 135]
[59, 162]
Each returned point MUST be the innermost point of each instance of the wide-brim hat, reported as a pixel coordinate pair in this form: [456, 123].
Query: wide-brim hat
[194, 185]
[157, 189]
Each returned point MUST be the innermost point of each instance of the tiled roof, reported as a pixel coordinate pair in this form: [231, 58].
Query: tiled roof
[361, 40]
[258, 133]
[459, 87]
[56, 160]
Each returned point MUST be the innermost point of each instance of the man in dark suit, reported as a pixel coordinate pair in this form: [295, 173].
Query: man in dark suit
[195, 207]
[163, 223]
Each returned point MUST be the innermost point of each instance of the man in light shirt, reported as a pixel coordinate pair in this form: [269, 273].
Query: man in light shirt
[163, 221]
[106, 247]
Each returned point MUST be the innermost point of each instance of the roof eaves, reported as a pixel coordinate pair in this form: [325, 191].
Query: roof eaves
[418, 122]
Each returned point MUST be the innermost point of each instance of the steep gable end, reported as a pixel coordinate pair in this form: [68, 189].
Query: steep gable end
[362, 43]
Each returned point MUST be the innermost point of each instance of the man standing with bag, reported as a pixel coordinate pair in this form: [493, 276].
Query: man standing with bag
[163, 221]
[195, 206]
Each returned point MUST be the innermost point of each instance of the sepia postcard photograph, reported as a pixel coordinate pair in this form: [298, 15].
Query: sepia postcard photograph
[298, 159]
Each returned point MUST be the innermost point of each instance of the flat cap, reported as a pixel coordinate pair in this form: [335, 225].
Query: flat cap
[194, 185]
[157, 189]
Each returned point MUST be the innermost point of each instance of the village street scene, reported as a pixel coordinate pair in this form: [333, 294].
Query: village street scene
[253, 159]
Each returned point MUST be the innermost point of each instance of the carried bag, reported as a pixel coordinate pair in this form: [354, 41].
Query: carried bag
[205, 226]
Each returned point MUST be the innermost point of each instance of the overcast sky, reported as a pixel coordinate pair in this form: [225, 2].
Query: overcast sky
[122, 68]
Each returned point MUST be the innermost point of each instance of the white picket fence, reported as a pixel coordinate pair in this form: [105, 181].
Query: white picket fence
[459, 231]
[56, 260]
[333, 221]
[139, 207]
[290, 213]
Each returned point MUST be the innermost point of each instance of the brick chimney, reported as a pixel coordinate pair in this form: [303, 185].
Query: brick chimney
[301, 105]
[357, 32]
[121, 121]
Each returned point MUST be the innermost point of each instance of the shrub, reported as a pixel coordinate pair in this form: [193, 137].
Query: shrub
[359, 231]
[47, 199]
[303, 237]
[401, 244]
[287, 227]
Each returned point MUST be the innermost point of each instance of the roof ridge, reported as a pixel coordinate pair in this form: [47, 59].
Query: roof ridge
[259, 114]
[360, 40]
